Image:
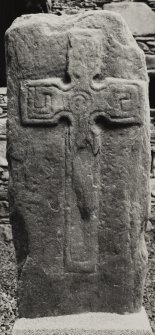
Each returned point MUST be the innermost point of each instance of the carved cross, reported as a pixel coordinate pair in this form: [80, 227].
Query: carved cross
[85, 99]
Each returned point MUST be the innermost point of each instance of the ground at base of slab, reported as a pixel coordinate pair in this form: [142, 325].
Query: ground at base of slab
[86, 324]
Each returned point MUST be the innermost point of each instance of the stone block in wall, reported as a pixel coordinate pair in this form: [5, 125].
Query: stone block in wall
[3, 161]
[147, 44]
[3, 128]
[139, 17]
[151, 3]
[150, 62]
[3, 209]
[144, 46]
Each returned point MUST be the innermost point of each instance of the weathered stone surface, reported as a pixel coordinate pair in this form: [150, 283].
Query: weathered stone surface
[78, 152]
[89, 324]
[138, 16]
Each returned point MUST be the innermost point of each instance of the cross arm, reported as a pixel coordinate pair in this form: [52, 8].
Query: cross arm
[120, 101]
[45, 101]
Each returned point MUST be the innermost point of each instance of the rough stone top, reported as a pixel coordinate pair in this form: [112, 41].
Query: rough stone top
[32, 33]
[138, 16]
[57, 21]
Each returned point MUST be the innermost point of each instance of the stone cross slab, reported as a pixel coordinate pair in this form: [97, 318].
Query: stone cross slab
[82, 101]
[78, 154]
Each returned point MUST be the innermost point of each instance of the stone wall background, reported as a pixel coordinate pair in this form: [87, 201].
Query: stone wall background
[8, 301]
[4, 175]
[62, 4]
[147, 44]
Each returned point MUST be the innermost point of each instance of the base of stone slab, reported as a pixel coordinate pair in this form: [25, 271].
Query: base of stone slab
[86, 324]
